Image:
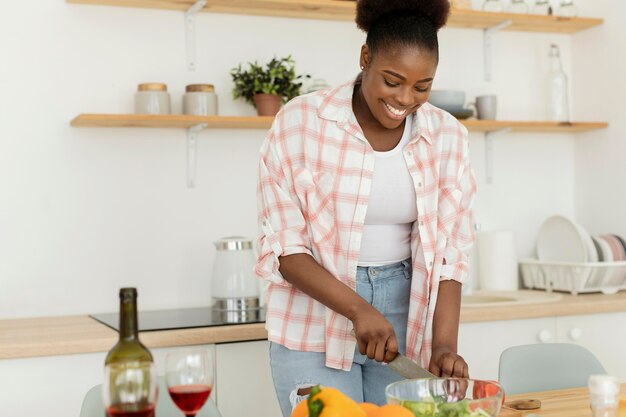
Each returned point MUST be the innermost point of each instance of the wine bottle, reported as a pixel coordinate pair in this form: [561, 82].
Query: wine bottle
[128, 347]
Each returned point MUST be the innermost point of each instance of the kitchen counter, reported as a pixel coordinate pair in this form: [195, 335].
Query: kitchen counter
[48, 336]
[568, 305]
[572, 402]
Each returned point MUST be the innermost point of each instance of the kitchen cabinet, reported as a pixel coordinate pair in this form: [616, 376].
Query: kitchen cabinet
[603, 334]
[243, 381]
[481, 343]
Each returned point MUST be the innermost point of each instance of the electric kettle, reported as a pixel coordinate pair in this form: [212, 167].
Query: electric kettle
[234, 287]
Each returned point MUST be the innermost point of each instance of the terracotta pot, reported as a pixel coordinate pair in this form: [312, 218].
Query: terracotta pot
[267, 104]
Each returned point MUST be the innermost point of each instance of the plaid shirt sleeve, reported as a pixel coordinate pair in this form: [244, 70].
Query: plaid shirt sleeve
[461, 237]
[282, 227]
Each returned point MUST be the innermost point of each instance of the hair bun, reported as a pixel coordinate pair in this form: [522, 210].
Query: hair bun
[368, 11]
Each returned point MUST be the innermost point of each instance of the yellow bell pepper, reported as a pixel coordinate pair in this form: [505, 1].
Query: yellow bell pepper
[328, 402]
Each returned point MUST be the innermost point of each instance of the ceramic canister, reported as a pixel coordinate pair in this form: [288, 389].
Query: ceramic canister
[200, 100]
[152, 98]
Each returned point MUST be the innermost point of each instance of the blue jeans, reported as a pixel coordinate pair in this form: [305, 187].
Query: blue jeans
[387, 288]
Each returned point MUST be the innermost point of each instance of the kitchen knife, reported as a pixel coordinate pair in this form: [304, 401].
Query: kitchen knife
[407, 368]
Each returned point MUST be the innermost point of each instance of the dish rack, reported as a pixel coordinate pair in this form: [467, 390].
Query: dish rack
[576, 278]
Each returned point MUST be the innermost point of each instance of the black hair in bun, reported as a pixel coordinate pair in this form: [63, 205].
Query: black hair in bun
[390, 23]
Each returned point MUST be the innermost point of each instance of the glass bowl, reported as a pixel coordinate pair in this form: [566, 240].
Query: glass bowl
[457, 397]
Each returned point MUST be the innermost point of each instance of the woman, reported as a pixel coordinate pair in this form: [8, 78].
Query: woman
[364, 209]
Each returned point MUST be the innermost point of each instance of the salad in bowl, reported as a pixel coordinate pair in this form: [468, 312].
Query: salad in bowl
[447, 397]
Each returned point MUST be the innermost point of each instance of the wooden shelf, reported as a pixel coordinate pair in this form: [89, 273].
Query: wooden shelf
[475, 19]
[344, 10]
[253, 122]
[474, 125]
[171, 121]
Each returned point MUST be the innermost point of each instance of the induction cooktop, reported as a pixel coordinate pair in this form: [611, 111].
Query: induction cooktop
[181, 319]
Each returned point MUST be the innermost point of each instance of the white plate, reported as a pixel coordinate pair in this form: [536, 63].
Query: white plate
[605, 254]
[561, 239]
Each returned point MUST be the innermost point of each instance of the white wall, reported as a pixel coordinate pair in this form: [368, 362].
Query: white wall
[86, 211]
[600, 93]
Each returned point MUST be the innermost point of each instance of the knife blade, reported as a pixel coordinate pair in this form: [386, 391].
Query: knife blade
[407, 368]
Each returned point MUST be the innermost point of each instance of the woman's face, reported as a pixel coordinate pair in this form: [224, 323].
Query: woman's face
[396, 82]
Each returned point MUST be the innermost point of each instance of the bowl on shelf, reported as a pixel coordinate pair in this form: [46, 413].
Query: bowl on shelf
[451, 101]
[431, 397]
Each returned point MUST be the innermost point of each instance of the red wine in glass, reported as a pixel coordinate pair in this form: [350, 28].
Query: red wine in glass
[146, 410]
[190, 398]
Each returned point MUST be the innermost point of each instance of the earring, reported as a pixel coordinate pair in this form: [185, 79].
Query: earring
[362, 67]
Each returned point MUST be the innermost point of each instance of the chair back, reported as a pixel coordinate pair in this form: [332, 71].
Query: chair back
[93, 406]
[546, 366]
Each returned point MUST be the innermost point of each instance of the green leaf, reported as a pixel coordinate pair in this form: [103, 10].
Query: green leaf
[278, 76]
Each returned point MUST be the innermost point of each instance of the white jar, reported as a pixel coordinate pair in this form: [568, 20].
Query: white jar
[152, 98]
[200, 100]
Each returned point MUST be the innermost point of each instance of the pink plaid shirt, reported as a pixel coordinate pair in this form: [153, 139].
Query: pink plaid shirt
[315, 176]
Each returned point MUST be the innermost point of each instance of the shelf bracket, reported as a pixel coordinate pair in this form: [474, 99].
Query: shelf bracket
[489, 136]
[192, 152]
[487, 38]
[190, 31]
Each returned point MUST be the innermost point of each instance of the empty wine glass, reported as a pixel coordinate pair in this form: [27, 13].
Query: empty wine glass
[567, 9]
[518, 6]
[130, 389]
[492, 6]
[541, 7]
[189, 377]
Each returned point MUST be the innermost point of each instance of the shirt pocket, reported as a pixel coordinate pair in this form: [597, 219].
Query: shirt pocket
[315, 194]
[448, 209]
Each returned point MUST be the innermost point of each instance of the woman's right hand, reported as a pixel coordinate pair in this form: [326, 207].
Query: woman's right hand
[375, 335]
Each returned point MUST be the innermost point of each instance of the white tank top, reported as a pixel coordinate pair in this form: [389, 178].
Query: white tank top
[392, 208]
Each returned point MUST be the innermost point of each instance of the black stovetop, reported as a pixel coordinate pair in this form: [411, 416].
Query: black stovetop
[175, 319]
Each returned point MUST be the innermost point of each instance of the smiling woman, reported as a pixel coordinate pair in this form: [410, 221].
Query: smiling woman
[365, 223]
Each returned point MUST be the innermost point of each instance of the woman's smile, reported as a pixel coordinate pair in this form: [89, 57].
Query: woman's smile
[396, 113]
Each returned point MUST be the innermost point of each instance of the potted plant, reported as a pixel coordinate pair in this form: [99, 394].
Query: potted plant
[268, 87]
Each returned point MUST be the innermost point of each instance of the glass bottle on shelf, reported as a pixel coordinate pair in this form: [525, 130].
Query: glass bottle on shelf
[567, 9]
[557, 88]
[518, 6]
[541, 7]
[128, 348]
[492, 6]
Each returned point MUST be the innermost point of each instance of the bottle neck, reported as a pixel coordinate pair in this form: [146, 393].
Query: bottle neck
[555, 61]
[128, 317]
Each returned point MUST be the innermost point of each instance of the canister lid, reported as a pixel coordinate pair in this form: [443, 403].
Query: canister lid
[233, 243]
[203, 88]
[152, 87]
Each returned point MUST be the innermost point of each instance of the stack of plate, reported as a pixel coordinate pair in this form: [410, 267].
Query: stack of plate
[610, 248]
[563, 240]
[569, 253]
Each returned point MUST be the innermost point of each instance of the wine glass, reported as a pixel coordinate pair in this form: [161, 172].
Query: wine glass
[130, 389]
[189, 377]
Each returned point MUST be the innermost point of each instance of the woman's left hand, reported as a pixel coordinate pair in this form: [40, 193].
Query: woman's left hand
[445, 362]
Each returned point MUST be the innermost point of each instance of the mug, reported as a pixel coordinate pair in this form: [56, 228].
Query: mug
[485, 107]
